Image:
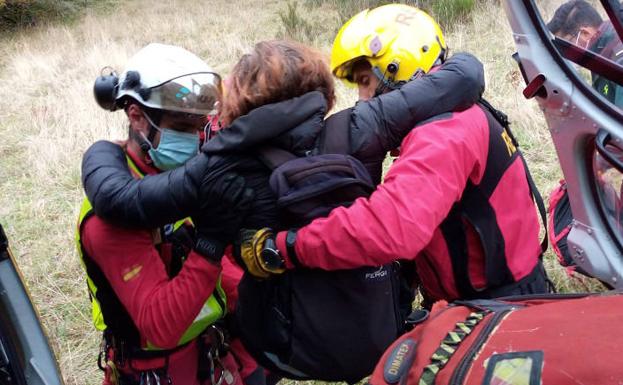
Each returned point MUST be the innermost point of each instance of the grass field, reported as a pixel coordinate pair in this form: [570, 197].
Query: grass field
[48, 118]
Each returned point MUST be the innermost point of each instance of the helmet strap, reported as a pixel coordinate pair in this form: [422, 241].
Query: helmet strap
[385, 82]
[152, 133]
[380, 89]
[443, 54]
[153, 129]
[145, 142]
[418, 74]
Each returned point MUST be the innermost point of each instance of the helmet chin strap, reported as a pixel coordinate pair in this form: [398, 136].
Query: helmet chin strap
[387, 82]
[145, 142]
[380, 89]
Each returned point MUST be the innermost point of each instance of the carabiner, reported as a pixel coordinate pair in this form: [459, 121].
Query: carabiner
[145, 378]
[213, 371]
[156, 377]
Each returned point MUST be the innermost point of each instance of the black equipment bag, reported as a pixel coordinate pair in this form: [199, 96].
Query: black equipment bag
[315, 324]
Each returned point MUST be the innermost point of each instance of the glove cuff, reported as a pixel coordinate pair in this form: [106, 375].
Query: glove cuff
[211, 249]
[286, 241]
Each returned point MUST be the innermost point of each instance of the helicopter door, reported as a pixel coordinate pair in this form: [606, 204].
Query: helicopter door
[576, 82]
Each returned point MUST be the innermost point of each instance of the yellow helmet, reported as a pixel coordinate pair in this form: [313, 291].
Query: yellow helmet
[399, 41]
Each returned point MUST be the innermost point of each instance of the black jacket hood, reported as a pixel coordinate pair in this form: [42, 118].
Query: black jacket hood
[293, 125]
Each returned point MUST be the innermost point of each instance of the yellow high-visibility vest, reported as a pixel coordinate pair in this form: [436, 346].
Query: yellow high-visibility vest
[213, 309]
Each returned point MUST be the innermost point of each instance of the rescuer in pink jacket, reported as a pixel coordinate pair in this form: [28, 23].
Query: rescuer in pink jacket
[457, 201]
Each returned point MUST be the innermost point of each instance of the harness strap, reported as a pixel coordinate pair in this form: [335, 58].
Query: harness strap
[474, 210]
[476, 207]
[334, 140]
[537, 274]
[538, 199]
[273, 157]
[336, 137]
[502, 118]
[124, 351]
[453, 231]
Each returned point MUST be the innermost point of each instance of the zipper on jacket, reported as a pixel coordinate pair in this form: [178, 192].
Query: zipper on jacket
[458, 376]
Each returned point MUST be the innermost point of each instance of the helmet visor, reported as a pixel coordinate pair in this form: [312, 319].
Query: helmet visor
[197, 93]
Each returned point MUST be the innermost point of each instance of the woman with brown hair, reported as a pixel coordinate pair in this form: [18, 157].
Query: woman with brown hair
[278, 98]
[274, 71]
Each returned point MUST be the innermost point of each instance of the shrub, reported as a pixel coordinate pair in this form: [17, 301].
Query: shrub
[446, 12]
[296, 27]
[16, 14]
[348, 8]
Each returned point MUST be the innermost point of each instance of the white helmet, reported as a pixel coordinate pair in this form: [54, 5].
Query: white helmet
[163, 77]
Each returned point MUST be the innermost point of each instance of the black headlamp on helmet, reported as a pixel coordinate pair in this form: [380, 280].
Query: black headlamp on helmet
[105, 89]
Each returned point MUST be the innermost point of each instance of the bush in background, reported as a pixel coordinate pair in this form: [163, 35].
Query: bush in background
[446, 12]
[302, 28]
[18, 14]
[295, 26]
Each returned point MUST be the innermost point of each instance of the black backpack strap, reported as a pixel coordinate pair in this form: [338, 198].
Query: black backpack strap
[274, 157]
[502, 118]
[453, 231]
[336, 139]
[539, 203]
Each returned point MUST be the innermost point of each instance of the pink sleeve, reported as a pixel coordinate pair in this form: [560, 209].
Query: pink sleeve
[230, 278]
[399, 218]
[161, 308]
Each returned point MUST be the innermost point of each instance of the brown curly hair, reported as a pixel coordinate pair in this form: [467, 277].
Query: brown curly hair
[274, 71]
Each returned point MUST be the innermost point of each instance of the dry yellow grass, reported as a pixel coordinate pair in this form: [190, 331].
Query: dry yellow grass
[48, 118]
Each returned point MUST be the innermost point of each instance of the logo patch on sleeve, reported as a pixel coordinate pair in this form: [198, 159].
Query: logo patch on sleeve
[131, 272]
[399, 361]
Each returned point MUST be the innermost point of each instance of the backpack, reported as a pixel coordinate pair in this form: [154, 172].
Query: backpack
[315, 324]
[541, 339]
[559, 223]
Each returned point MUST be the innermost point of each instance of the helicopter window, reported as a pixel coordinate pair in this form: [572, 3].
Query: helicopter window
[588, 34]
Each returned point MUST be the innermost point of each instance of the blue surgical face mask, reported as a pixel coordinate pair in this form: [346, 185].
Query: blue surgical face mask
[174, 149]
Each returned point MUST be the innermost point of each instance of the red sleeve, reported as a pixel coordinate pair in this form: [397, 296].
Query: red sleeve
[230, 278]
[161, 308]
[399, 218]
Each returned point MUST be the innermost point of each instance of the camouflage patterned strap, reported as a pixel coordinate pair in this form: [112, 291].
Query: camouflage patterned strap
[449, 345]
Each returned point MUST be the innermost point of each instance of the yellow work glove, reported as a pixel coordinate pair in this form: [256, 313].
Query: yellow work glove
[257, 250]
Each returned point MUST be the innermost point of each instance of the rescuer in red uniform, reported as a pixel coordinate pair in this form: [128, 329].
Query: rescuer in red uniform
[156, 292]
[457, 201]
